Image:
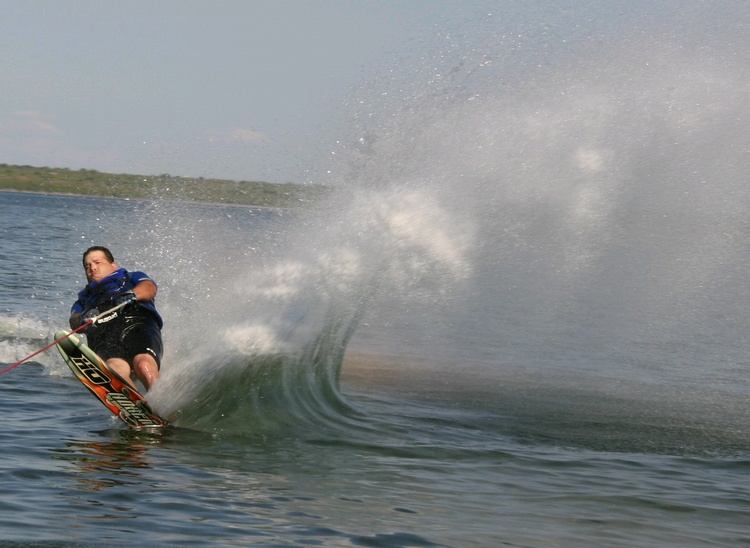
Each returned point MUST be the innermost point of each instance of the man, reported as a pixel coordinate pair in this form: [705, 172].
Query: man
[129, 339]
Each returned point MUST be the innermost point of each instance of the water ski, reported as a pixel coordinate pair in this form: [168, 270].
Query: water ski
[125, 402]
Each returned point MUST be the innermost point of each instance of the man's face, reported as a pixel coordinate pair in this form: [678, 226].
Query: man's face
[97, 266]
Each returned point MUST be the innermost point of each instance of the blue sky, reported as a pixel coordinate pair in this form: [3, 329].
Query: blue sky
[263, 90]
[237, 89]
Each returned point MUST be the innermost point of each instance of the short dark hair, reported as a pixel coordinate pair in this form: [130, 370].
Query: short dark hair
[107, 253]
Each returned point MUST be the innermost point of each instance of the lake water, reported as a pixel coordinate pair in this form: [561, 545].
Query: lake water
[316, 403]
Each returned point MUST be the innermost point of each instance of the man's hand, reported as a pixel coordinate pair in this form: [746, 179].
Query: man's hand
[89, 316]
[126, 297]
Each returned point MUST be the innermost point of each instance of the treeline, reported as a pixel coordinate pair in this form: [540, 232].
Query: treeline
[88, 182]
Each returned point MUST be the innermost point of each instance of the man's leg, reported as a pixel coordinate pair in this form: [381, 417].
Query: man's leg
[145, 368]
[122, 368]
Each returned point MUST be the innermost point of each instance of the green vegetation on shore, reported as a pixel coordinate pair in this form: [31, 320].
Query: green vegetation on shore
[88, 182]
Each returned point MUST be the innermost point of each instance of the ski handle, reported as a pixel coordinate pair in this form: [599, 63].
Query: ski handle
[76, 330]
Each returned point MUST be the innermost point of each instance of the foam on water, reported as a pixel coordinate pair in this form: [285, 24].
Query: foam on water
[21, 336]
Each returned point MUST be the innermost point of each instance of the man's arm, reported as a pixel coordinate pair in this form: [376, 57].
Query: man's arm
[75, 320]
[76, 312]
[145, 290]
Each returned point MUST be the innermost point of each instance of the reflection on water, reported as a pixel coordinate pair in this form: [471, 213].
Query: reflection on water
[110, 461]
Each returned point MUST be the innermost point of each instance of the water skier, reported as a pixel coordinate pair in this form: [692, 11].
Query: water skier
[128, 339]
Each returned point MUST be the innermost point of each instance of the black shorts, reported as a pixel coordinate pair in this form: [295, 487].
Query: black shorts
[126, 337]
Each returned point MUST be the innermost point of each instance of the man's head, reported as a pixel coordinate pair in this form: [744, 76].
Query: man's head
[98, 263]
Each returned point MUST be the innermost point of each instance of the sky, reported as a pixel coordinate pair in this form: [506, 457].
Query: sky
[263, 89]
[237, 89]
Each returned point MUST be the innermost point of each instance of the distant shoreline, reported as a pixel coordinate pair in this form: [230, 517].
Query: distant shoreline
[221, 192]
[156, 199]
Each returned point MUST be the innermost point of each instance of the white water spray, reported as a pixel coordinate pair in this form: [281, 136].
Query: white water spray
[581, 209]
